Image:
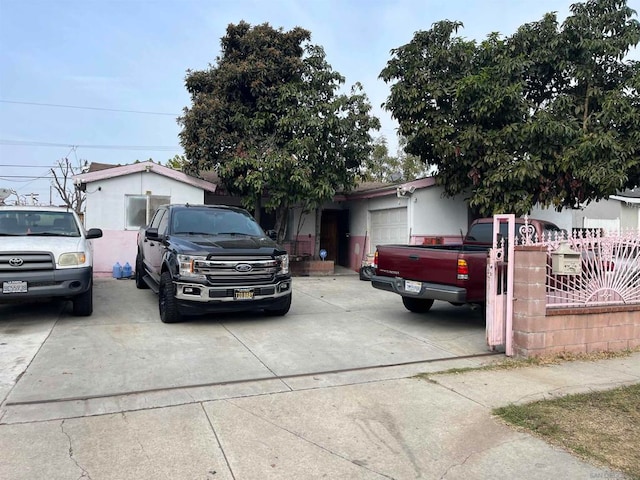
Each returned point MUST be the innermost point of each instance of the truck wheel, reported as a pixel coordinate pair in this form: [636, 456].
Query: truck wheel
[140, 283]
[281, 309]
[167, 300]
[417, 305]
[83, 303]
[366, 273]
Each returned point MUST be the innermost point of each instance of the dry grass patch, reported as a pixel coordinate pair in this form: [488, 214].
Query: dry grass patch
[512, 363]
[602, 426]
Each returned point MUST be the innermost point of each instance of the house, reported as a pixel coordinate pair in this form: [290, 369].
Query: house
[618, 212]
[121, 199]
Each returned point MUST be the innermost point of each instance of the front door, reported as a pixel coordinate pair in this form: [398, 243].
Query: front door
[334, 235]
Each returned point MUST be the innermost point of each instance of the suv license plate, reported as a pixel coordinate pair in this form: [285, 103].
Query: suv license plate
[14, 286]
[412, 287]
[243, 294]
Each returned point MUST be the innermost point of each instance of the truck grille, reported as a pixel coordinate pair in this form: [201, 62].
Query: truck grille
[237, 270]
[26, 261]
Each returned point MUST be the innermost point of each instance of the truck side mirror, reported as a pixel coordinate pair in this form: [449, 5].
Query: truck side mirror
[272, 234]
[94, 233]
[151, 234]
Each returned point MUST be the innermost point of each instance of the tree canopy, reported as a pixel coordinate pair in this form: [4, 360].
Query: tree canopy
[549, 115]
[269, 117]
[382, 166]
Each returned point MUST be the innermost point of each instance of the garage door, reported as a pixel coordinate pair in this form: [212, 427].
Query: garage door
[388, 226]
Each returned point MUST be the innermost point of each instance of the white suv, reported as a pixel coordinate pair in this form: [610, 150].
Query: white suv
[45, 252]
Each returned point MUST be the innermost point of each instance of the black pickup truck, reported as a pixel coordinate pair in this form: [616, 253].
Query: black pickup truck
[211, 258]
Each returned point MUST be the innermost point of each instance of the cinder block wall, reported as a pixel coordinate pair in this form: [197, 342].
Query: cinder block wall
[539, 331]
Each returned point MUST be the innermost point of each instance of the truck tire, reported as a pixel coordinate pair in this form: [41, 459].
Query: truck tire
[140, 283]
[366, 273]
[167, 300]
[83, 303]
[281, 309]
[417, 305]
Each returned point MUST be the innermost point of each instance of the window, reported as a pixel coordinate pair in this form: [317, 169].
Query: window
[140, 208]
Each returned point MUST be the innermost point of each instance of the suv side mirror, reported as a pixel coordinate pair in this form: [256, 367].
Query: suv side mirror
[272, 234]
[94, 233]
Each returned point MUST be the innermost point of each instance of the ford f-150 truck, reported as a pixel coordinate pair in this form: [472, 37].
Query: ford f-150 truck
[211, 258]
[421, 274]
[45, 252]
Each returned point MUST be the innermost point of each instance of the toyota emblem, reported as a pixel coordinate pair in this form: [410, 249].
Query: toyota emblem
[16, 262]
[243, 267]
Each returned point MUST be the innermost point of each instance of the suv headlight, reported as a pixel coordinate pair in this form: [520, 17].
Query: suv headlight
[72, 259]
[186, 266]
[284, 264]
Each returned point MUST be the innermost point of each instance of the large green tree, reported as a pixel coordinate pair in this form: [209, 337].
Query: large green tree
[384, 167]
[549, 115]
[270, 118]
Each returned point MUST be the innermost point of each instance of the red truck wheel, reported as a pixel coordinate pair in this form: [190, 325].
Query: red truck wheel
[417, 305]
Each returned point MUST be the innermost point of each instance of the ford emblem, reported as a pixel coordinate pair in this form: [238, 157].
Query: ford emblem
[16, 262]
[243, 267]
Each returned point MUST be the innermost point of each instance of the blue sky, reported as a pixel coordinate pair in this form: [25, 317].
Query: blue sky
[133, 55]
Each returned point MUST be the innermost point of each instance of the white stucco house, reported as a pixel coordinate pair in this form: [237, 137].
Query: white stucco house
[121, 199]
[618, 212]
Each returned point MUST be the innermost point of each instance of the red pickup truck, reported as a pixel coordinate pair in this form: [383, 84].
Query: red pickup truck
[421, 274]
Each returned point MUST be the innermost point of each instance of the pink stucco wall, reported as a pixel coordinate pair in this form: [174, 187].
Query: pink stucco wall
[114, 246]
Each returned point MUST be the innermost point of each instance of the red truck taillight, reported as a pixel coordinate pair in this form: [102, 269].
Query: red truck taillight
[463, 270]
[375, 260]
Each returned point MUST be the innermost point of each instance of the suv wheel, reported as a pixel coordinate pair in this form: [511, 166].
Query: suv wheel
[167, 300]
[281, 308]
[140, 283]
[83, 303]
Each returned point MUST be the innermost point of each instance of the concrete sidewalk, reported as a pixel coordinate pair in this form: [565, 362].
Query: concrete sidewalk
[316, 427]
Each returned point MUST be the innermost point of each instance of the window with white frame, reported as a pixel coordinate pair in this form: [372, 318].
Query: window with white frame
[139, 209]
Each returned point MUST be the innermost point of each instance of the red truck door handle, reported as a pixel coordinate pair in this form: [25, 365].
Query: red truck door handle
[413, 257]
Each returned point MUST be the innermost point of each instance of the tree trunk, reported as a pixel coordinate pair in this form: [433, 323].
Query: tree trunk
[282, 222]
[257, 209]
[316, 247]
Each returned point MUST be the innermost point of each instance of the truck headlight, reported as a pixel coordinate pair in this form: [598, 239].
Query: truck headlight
[72, 259]
[186, 266]
[284, 264]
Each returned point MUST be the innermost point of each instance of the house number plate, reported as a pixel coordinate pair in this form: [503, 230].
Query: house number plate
[243, 294]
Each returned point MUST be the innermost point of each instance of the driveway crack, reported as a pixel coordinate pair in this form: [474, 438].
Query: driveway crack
[215, 434]
[85, 473]
[126, 420]
[472, 454]
[257, 357]
[311, 442]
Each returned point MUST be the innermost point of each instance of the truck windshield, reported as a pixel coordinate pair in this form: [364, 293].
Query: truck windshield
[34, 223]
[214, 222]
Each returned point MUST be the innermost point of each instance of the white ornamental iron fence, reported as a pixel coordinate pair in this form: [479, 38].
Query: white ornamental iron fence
[589, 267]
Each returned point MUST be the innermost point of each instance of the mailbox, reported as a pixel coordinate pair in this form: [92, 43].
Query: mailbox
[565, 261]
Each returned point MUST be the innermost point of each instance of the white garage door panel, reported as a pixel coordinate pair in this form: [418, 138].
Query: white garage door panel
[389, 226]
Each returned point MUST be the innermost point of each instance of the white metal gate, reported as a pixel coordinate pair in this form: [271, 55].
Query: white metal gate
[499, 302]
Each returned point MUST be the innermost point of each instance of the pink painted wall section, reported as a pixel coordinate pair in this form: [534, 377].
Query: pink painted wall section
[435, 239]
[303, 245]
[114, 246]
[357, 245]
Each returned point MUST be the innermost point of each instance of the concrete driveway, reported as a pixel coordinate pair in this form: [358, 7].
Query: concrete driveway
[337, 325]
[324, 392]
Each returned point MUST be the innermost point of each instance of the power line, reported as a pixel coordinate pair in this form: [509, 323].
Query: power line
[28, 143]
[19, 166]
[55, 105]
[4, 177]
